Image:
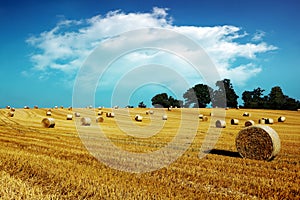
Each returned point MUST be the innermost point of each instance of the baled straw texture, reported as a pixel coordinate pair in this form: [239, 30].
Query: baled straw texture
[220, 124]
[86, 121]
[281, 119]
[258, 142]
[48, 122]
[234, 121]
[249, 123]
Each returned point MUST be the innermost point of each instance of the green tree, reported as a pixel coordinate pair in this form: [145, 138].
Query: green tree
[254, 99]
[276, 98]
[163, 100]
[198, 96]
[225, 90]
[142, 105]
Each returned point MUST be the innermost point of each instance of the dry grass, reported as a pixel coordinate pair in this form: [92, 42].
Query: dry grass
[41, 163]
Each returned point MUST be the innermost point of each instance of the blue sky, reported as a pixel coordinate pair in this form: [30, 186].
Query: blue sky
[254, 43]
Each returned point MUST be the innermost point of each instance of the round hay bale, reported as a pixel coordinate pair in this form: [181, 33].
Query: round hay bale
[7, 107]
[205, 119]
[234, 122]
[269, 121]
[61, 107]
[138, 118]
[99, 119]
[147, 112]
[48, 122]
[48, 113]
[220, 124]
[116, 107]
[69, 117]
[258, 142]
[164, 117]
[237, 107]
[77, 114]
[249, 123]
[35, 107]
[10, 114]
[281, 119]
[26, 107]
[86, 121]
[262, 121]
[70, 108]
[56, 107]
[110, 114]
[246, 114]
[99, 108]
[170, 108]
[12, 109]
[100, 113]
[151, 112]
[201, 116]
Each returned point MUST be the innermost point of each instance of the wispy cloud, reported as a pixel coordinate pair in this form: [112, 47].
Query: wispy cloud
[66, 46]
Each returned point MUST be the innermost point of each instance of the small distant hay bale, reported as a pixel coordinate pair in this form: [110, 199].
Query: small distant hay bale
[269, 121]
[170, 108]
[48, 122]
[100, 113]
[48, 113]
[70, 108]
[234, 122]
[110, 114]
[99, 108]
[138, 118]
[77, 114]
[90, 107]
[12, 109]
[237, 107]
[262, 121]
[246, 114]
[35, 107]
[116, 107]
[220, 124]
[147, 112]
[10, 114]
[258, 142]
[249, 123]
[56, 107]
[200, 116]
[99, 119]
[164, 117]
[61, 107]
[26, 107]
[227, 108]
[151, 112]
[281, 119]
[298, 109]
[7, 107]
[69, 117]
[86, 121]
[205, 118]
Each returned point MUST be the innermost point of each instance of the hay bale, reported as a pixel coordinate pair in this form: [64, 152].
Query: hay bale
[205, 119]
[200, 116]
[70, 108]
[258, 142]
[10, 114]
[116, 107]
[234, 122]
[220, 124]
[61, 107]
[48, 122]
[86, 121]
[170, 108]
[249, 123]
[7, 107]
[281, 119]
[77, 114]
[164, 117]
[56, 107]
[12, 109]
[262, 121]
[48, 113]
[246, 114]
[69, 117]
[99, 108]
[110, 114]
[100, 113]
[269, 121]
[26, 107]
[151, 112]
[138, 118]
[35, 107]
[237, 107]
[99, 119]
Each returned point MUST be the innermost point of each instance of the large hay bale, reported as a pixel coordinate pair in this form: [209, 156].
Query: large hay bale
[164, 117]
[234, 121]
[281, 119]
[262, 121]
[77, 114]
[246, 114]
[138, 118]
[48, 113]
[86, 121]
[48, 122]
[99, 119]
[10, 114]
[258, 142]
[269, 121]
[249, 123]
[220, 124]
[69, 117]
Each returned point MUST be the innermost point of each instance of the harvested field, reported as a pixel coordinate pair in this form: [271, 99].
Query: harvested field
[43, 163]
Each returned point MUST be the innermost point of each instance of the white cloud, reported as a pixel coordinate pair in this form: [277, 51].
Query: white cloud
[65, 47]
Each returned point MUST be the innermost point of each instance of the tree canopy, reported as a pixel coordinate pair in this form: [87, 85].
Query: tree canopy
[198, 96]
[165, 101]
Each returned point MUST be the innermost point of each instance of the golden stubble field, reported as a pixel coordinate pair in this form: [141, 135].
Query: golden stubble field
[53, 163]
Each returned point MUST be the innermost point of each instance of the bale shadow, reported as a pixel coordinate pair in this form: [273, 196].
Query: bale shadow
[224, 153]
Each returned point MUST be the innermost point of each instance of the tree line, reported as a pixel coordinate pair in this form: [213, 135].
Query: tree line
[224, 95]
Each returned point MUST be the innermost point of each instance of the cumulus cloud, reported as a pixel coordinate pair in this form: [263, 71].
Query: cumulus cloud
[66, 46]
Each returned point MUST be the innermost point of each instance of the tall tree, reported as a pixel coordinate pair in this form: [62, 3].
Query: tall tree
[254, 99]
[163, 100]
[225, 90]
[198, 96]
[276, 98]
[142, 105]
